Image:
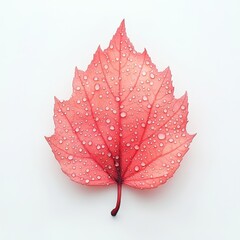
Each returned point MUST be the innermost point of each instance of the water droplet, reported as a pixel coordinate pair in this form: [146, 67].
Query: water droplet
[112, 128]
[109, 138]
[78, 101]
[60, 141]
[143, 164]
[170, 140]
[116, 164]
[144, 73]
[179, 154]
[97, 87]
[108, 121]
[111, 46]
[161, 136]
[136, 147]
[87, 181]
[182, 107]
[77, 130]
[145, 98]
[105, 66]
[70, 157]
[78, 88]
[98, 177]
[136, 168]
[98, 147]
[152, 75]
[95, 78]
[117, 99]
[123, 114]
[73, 175]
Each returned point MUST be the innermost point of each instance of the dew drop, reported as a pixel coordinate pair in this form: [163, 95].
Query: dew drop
[95, 78]
[136, 147]
[97, 87]
[70, 157]
[152, 75]
[98, 147]
[109, 138]
[136, 168]
[144, 73]
[73, 175]
[179, 154]
[105, 66]
[112, 128]
[108, 121]
[98, 177]
[123, 114]
[182, 107]
[87, 181]
[145, 98]
[143, 164]
[78, 88]
[170, 140]
[161, 136]
[117, 99]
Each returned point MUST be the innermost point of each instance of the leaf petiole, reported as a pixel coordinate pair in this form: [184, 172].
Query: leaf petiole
[119, 194]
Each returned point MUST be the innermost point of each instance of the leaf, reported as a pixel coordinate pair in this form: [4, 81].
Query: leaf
[122, 124]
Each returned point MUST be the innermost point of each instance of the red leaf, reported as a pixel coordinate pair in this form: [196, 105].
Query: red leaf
[122, 124]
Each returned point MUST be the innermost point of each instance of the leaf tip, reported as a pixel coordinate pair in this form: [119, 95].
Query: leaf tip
[56, 100]
[122, 28]
[123, 23]
[193, 135]
[185, 95]
[76, 71]
[47, 139]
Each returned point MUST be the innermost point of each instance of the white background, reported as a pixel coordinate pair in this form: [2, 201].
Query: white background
[40, 44]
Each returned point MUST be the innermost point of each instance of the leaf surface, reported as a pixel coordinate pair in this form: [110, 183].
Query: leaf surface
[122, 123]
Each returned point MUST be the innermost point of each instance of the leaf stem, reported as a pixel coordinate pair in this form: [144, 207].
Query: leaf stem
[119, 193]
